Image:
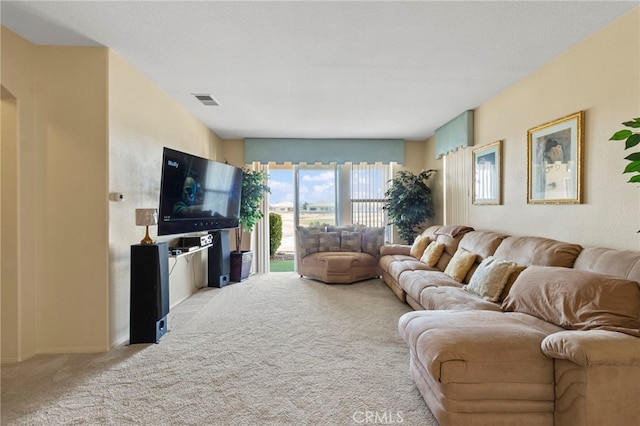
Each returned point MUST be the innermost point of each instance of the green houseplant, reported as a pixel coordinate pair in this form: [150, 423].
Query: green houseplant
[631, 139]
[409, 202]
[254, 190]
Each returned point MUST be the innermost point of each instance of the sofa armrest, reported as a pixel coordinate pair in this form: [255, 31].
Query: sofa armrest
[593, 347]
[390, 249]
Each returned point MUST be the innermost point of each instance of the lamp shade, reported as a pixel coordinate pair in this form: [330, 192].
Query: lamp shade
[146, 217]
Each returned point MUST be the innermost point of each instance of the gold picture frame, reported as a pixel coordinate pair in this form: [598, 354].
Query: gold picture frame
[554, 160]
[487, 174]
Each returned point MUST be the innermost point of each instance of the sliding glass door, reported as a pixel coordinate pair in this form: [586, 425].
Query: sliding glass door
[316, 195]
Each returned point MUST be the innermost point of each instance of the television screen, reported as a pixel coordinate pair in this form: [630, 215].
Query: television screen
[197, 194]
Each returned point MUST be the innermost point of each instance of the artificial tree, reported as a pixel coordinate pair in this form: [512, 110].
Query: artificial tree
[409, 203]
[254, 190]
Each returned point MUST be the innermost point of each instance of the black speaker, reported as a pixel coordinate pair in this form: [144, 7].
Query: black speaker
[149, 292]
[219, 263]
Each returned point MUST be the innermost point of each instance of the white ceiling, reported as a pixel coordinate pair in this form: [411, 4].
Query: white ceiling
[322, 69]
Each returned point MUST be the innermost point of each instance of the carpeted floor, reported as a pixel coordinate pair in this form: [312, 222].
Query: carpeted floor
[273, 350]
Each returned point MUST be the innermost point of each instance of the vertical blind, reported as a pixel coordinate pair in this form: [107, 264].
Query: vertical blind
[368, 185]
[457, 187]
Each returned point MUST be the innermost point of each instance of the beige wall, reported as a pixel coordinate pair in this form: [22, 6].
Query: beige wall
[18, 76]
[602, 77]
[143, 120]
[61, 268]
[9, 232]
[87, 125]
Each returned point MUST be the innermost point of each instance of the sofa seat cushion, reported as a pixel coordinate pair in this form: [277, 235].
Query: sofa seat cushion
[481, 355]
[454, 298]
[388, 259]
[340, 261]
[400, 265]
[413, 282]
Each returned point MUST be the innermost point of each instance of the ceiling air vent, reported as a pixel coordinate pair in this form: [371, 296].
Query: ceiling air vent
[206, 99]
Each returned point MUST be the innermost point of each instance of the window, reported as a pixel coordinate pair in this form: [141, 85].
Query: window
[368, 185]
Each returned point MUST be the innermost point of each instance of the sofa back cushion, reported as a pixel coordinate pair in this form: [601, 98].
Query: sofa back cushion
[329, 241]
[307, 239]
[576, 299]
[430, 232]
[372, 240]
[538, 251]
[621, 263]
[351, 241]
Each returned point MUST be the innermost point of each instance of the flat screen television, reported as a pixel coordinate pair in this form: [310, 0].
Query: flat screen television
[197, 194]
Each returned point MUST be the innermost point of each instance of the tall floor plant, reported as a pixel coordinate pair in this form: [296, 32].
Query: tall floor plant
[409, 203]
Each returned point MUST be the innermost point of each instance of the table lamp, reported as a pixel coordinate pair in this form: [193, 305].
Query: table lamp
[146, 217]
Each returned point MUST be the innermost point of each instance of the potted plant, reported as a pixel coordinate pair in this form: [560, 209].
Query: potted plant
[254, 190]
[409, 203]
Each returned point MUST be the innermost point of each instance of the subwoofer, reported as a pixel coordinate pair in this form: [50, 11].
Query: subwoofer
[219, 259]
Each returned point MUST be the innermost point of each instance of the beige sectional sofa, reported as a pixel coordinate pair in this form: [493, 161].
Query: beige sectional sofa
[338, 255]
[559, 345]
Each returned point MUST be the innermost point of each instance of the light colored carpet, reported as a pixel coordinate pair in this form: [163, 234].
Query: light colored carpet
[273, 350]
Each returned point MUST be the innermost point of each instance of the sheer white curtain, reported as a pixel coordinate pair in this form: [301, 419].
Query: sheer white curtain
[260, 235]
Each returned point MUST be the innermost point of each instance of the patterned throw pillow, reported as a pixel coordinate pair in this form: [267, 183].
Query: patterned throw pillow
[460, 264]
[351, 241]
[372, 240]
[328, 241]
[418, 246]
[307, 240]
[490, 277]
[432, 253]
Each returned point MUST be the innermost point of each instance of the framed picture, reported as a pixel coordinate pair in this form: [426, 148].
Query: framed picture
[555, 161]
[487, 174]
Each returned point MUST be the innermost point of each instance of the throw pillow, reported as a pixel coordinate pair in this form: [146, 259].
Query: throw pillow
[460, 264]
[307, 241]
[328, 241]
[490, 278]
[351, 241]
[576, 299]
[372, 240]
[418, 246]
[432, 253]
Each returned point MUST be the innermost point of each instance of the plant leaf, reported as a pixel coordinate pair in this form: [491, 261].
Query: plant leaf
[621, 135]
[632, 141]
[635, 123]
[634, 166]
[635, 179]
[633, 157]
